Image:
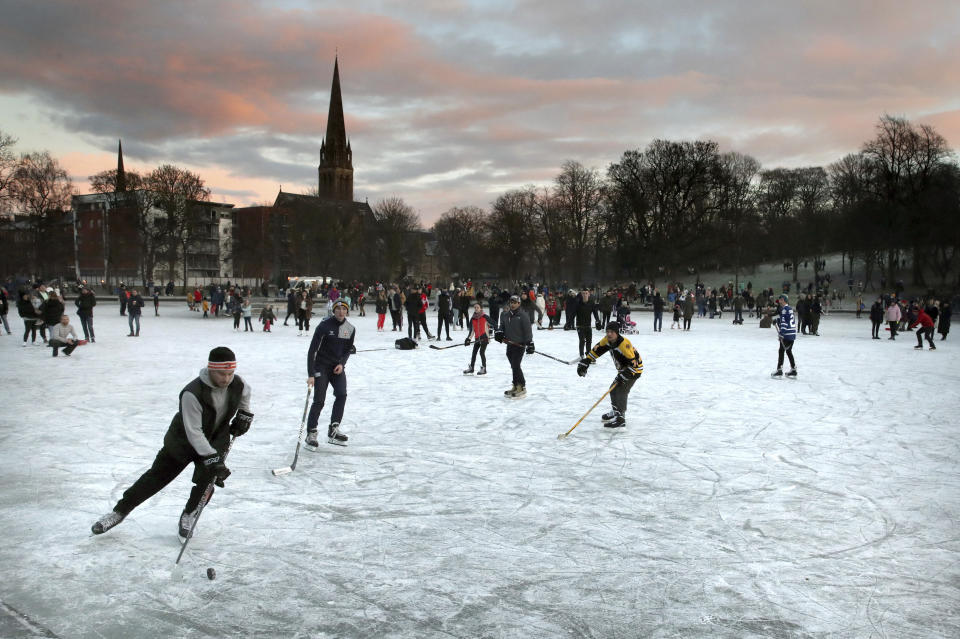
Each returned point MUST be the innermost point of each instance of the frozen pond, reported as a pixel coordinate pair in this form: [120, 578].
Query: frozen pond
[733, 505]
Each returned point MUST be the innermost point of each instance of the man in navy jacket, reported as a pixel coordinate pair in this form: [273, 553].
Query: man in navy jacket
[329, 351]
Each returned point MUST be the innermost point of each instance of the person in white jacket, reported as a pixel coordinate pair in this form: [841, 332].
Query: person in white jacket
[63, 336]
[541, 309]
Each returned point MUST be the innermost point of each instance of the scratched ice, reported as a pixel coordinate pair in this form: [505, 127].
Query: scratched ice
[732, 506]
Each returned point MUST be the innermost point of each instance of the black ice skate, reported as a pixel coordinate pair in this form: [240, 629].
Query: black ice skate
[107, 522]
[609, 417]
[334, 436]
[186, 522]
[777, 373]
[311, 439]
[792, 373]
[469, 371]
[482, 371]
[617, 422]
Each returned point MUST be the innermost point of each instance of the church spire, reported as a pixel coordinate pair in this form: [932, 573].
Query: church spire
[336, 156]
[121, 174]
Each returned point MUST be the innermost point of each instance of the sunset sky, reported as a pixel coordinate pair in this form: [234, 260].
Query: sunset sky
[451, 103]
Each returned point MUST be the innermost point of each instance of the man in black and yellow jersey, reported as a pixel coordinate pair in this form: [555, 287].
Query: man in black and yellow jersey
[629, 368]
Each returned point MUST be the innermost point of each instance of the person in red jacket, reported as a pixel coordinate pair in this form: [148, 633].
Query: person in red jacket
[480, 328]
[925, 330]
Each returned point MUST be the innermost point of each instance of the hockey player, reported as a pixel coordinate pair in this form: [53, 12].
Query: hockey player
[516, 330]
[479, 326]
[786, 325]
[327, 356]
[925, 330]
[629, 368]
[213, 407]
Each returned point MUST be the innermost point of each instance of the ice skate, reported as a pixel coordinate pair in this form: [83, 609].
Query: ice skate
[617, 422]
[334, 436]
[520, 391]
[609, 417]
[918, 347]
[468, 371]
[186, 522]
[482, 371]
[932, 347]
[311, 439]
[107, 522]
[777, 373]
[792, 373]
[511, 392]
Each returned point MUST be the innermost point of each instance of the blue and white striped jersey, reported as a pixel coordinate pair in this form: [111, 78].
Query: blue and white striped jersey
[787, 323]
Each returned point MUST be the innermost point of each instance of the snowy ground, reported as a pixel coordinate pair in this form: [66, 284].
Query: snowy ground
[733, 505]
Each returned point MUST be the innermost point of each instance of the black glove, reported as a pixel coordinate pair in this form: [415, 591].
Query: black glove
[217, 471]
[583, 366]
[241, 423]
[530, 349]
[599, 326]
[353, 349]
[466, 342]
[498, 336]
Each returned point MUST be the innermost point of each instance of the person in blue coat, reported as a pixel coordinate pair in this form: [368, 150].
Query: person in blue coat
[786, 325]
[327, 356]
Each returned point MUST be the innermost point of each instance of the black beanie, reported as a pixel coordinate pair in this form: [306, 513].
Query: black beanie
[222, 358]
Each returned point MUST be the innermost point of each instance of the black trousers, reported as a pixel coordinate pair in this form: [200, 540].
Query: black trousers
[514, 356]
[481, 347]
[618, 396]
[397, 318]
[321, 380]
[57, 345]
[443, 319]
[686, 323]
[413, 327]
[86, 323]
[924, 332]
[658, 321]
[786, 346]
[585, 335]
[164, 470]
[875, 330]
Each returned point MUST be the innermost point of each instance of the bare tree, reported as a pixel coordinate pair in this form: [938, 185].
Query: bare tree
[397, 225]
[176, 193]
[734, 194]
[579, 194]
[459, 233]
[511, 231]
[41, 189]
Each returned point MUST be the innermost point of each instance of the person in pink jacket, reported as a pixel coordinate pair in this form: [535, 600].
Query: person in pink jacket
[892, 315]
[925, 330]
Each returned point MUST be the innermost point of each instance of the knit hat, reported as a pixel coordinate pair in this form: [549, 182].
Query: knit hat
[514, 298]
[222, 359]
[340, 303]
[614, 326]
[784, 297]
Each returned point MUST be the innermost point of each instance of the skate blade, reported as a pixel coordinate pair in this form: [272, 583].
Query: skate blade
[279, 472]
[336, 442]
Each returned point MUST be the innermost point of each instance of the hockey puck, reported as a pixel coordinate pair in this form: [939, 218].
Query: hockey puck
[211, 574]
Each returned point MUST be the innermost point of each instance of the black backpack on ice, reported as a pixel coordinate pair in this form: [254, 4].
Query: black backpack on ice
[405, 344]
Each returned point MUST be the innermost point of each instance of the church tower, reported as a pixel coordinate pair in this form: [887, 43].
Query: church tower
[121, 185]
[336, 158]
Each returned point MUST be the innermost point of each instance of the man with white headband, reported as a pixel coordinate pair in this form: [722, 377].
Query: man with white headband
[214, 406]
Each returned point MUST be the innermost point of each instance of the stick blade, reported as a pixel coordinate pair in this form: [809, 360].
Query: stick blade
[279, 472]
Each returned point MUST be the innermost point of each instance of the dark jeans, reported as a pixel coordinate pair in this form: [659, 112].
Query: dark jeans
[585, 335]
[686, 323]
[893, 329]
[248, 324]
[925, 332]
[443, 320]
[786, 346]
[514, 356]
[86, 323]
[320, 382]
[481, 347]
[164, 470]
[397, 318]
[289, 313]
[57, 345]
[618, 396]
[29, 328]
[413, 326]
[236, 320]
[131, 319]
[658, 320]
[875, 330]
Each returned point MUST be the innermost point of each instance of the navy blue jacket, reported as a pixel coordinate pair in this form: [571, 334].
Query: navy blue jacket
[330, 345]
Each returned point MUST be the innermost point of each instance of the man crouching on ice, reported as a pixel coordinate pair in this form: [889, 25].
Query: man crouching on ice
[629, 368]
[213, 407]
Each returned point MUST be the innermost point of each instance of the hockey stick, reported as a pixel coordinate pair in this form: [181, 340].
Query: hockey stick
[564, 435]
[204, 500]
[443, 348]
[369, 350]
[547, 355]
[286, 470]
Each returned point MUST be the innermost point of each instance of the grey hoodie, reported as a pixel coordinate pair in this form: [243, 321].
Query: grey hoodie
[192, 412]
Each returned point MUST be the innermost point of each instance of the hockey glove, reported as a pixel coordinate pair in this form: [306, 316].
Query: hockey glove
[530, 349]
[583, 366]
[241, 423]
[498, 336]
[353, 349]
[599, 326]
[217, 471]
[466, 342]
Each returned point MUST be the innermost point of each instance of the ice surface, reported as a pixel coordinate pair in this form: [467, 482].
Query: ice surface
[733, 505]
